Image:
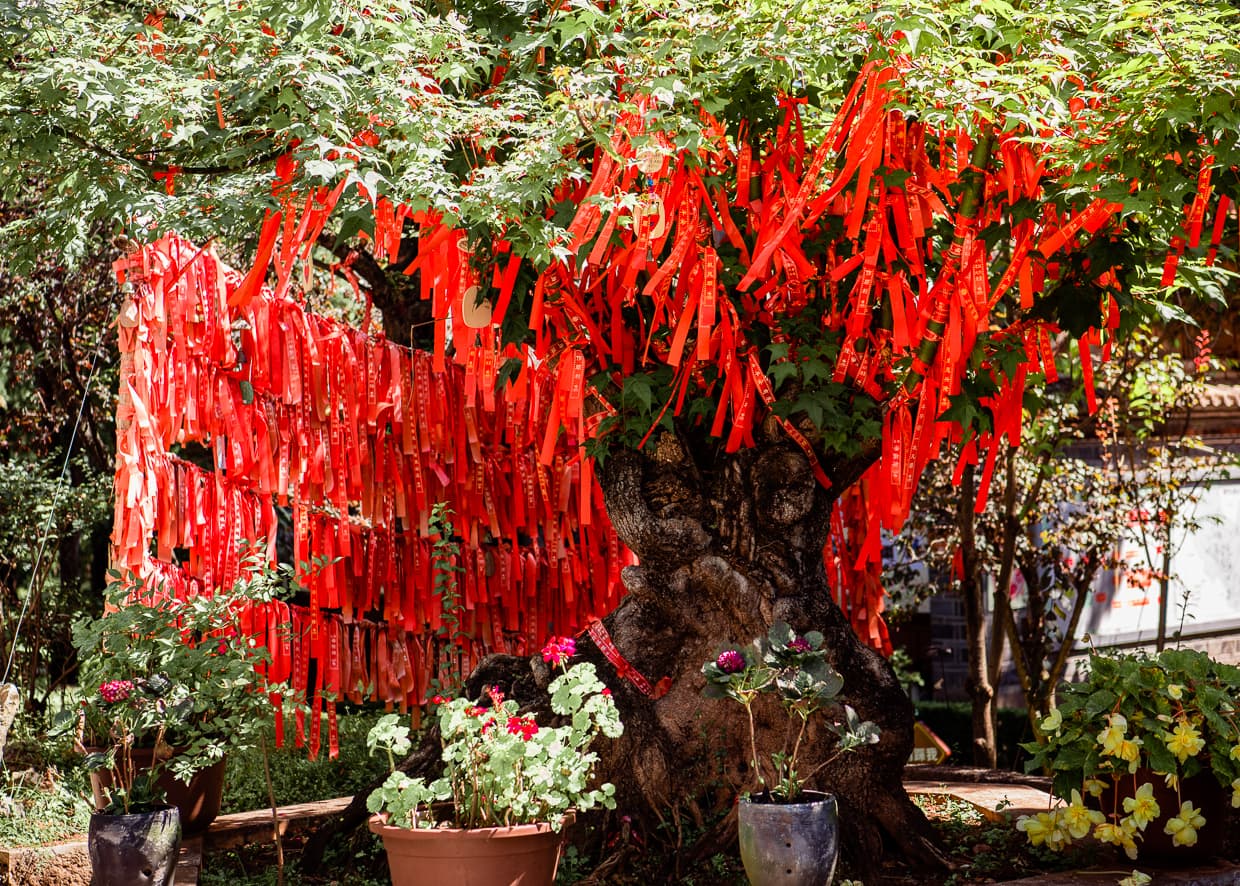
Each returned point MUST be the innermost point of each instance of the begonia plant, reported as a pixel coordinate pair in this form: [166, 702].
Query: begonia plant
[1135, 725]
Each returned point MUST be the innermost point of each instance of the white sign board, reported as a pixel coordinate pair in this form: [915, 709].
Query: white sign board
[1204, 593]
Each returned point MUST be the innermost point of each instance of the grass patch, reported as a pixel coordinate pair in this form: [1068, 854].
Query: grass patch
[38, 810]
[298, 779]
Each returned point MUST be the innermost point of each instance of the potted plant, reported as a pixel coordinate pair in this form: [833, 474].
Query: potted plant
[189, 685]
[1144, 752]
[788, 835]
[508, 787]
[136, 836]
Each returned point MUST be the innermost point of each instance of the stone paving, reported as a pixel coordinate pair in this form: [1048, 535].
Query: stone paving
[998, 801]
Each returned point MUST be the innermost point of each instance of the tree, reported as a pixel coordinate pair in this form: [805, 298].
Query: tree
[848, 229]
[1064, 502]
[56, 388]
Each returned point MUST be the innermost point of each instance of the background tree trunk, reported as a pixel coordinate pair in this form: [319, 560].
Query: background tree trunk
[978, 683]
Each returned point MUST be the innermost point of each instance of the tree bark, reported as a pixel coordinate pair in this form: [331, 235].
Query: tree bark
[978, 683]
[726, 550]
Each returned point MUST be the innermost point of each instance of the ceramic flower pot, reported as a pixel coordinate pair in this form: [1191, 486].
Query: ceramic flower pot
[522, 855]
[198, 802]
[139, 849]
[790, 844]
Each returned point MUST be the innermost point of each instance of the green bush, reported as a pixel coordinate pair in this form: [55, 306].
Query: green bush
[298, 779]
[952, 721]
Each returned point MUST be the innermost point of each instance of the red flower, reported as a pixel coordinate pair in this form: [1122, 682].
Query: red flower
[115, 691]
[559, 650]
[522, 726]
[730, 661]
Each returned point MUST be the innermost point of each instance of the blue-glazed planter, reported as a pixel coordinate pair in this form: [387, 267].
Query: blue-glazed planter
[789, 844]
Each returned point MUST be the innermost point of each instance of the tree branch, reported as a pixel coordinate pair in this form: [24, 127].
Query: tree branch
[154, 166]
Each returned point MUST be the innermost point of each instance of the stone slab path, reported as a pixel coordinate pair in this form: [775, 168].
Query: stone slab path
[998, 801]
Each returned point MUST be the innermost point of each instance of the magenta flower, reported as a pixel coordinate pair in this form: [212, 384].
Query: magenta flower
[730, 661]
[800, 645]
[115, 691]
[559, 650]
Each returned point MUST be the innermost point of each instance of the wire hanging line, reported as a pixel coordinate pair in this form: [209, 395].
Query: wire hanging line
[51, 515]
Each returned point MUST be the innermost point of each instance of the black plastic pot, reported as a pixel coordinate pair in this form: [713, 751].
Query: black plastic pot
[789, 844]
[139, 849]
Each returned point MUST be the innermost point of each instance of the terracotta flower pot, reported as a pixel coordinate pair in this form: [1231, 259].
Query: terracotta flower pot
[139, 849]
[198, 802]
[522, 855]
[789, 844]
[1155, 846]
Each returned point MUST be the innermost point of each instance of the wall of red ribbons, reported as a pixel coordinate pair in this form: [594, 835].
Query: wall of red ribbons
[358, 437]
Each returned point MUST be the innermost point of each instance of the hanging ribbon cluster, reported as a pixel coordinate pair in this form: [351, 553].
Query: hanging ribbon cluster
[708, 246]
[685, 260]
[358, 438]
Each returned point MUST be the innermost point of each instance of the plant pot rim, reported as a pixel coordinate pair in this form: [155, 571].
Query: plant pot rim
[378, 824]
[156, 810]
[805, 798]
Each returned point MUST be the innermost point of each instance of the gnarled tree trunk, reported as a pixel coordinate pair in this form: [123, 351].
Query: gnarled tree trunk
[725, 552]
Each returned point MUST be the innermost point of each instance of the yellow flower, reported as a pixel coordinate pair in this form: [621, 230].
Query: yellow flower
[1136, 878]
[1077, 819]
[1036, 827]
[1184, 741]
[1235, 793]
[1121, 834]
[1235, 752]
[1142, 806]
[1183, 828]
[1176, 691]
[1052, 722]
[1095, 786]
[1111, 737]
[1044, 828]
[1129, 750]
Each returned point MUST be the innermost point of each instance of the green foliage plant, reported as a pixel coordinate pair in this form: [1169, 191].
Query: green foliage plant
[795, 670]
[180, 676]
[1133, 720]
[502, 768]
[445, 565]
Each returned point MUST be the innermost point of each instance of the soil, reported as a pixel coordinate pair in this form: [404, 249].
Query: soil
[981, 852]
[49, 866]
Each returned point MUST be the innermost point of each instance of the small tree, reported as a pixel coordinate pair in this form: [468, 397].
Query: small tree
[1061, 505]
[1161, 468]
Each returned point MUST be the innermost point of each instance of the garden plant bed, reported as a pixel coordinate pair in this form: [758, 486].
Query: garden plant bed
[981, 840]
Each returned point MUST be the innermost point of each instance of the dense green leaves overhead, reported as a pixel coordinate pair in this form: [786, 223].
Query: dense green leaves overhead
[99, 101]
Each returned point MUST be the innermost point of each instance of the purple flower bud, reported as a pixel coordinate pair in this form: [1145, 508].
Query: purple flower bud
[800, 645]
[730, 661]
